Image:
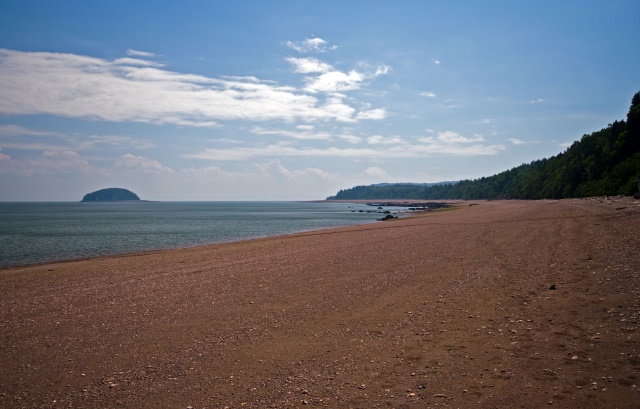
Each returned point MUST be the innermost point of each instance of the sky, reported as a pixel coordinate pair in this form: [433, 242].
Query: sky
[295, 100]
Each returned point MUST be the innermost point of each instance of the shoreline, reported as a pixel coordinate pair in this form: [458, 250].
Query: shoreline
[178, 244]
[150, 252]
[448, 308]
[159, 250]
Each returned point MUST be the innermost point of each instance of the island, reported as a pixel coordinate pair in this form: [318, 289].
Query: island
[113, 194]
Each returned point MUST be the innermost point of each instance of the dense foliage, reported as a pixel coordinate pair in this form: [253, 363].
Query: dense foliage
[606, 162]
[112, 194]
[387, 191]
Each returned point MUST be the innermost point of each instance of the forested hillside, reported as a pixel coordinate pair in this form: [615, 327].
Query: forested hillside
[606, 162]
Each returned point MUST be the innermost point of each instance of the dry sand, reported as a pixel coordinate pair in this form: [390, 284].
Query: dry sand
[448, 309]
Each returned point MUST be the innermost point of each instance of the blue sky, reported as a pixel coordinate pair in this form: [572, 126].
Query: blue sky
[294, 100]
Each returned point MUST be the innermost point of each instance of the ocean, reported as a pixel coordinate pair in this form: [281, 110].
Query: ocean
[38, 232]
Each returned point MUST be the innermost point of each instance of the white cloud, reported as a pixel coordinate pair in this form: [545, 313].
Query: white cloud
[381, 70]
[96, 141]
[381, 140]
[68, 154]
[426, 147]
[338, 81]
[63, 141]
[451, 137]
[258, 171]
[77, 86]
[140, 53]
[276, 168]
[331, 80]
[310, 45]
[537, 101]
[16, 130]
[375, 114]
[375, 172]
[214, 172]
[304, 134]
[51, 163]
[350, 138]
[144, 164]
[137, 61]
[34, 146]
[308, 65]
[335, 81]
[436, 62]
[516, 141]
[338, 109]
[428, 94]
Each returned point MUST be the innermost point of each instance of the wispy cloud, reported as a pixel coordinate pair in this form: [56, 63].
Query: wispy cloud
[316, 44]
[3, 156]
[308, 65]
[375, 172]
[97, 141]
[304, 133]
[335, 81]
[381, 140]
[428, 94]
[350, 138]
[256, 172]
[331, 80]
[269, 168]
[16, 130]
[50, 163]
[124, 90]
[451, 137]
[19, 137]
[446, 143]
[537, 101]
[136, 53]
[412, 151]
[143, 164]
[516, 141]
[375, 114]
[137, 62]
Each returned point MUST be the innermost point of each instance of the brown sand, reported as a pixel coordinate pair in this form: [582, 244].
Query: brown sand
[447, 308]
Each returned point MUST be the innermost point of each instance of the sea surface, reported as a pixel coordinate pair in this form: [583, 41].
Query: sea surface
[37, 232]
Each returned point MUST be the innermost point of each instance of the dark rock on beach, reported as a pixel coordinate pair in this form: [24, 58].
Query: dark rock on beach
[412, 205]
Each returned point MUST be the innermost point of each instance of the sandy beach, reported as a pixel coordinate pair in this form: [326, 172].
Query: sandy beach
[504, 304]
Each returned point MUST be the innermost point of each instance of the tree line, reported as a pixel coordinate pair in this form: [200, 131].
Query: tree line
[605, 162]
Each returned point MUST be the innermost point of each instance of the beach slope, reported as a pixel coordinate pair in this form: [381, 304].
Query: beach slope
[499, 304]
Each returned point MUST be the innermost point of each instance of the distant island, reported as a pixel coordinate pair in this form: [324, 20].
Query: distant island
[113, 194]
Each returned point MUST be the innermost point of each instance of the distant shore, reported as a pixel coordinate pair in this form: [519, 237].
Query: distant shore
[502, 304]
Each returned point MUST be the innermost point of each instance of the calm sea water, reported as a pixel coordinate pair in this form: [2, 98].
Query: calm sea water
[42, 232]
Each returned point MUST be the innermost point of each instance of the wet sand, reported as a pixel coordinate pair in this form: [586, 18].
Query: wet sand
[506, 304]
